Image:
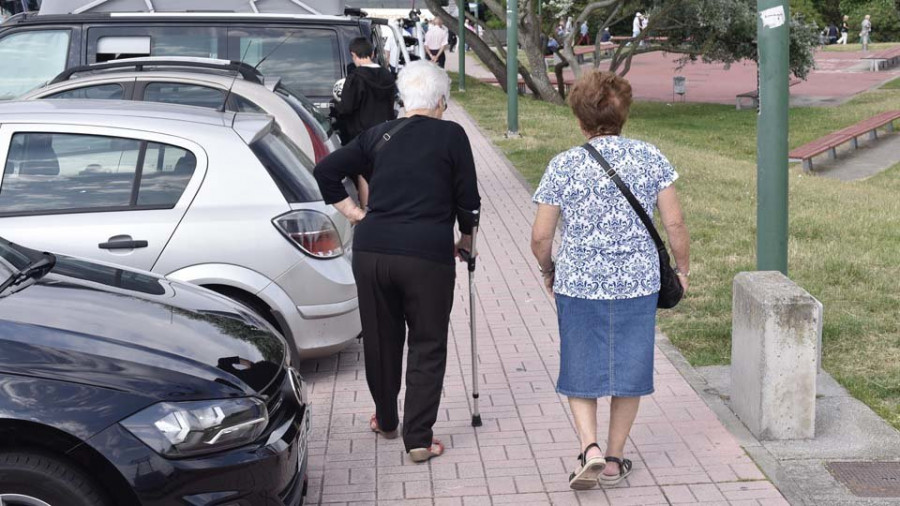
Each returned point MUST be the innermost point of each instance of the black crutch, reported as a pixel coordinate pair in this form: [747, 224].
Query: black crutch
[471, 257]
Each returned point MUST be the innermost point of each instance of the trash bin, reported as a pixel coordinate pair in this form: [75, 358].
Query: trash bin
[679, 87]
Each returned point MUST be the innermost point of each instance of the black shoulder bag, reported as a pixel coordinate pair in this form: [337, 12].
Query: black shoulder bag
[670, 289]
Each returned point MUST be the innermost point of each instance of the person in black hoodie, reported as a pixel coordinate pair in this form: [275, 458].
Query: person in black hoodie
[368, 95]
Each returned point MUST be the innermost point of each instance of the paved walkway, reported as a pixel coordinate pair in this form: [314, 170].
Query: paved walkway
[527, 446]
[837, 78]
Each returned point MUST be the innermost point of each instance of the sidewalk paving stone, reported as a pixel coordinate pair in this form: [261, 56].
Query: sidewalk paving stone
[522, 455]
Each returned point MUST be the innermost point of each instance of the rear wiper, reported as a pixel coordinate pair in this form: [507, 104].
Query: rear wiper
[35, 269]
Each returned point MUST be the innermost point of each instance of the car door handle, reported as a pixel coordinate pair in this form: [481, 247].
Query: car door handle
[123, 244]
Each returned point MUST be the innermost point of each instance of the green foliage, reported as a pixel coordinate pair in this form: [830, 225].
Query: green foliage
[809, 12]
[885, 18]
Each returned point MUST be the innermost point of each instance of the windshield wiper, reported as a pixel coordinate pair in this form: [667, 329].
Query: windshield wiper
[35, 269]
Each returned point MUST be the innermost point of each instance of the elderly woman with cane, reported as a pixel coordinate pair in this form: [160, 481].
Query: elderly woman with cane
[606, 279]
[421, 177]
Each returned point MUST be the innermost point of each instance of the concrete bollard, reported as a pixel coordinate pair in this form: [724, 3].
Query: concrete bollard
[775, 340]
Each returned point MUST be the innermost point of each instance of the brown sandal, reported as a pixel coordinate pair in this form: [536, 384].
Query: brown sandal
[373, 424]
[425, 454]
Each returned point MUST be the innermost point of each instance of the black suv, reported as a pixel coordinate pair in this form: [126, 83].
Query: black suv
[123, 388]
[309, 53]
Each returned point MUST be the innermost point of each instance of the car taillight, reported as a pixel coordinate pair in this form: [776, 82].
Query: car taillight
[311, 231]
[320, 150]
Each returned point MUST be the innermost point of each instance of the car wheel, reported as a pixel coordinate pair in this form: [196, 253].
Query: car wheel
[36, 479]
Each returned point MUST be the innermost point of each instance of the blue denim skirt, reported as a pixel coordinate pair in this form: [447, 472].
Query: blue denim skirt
[606, 346]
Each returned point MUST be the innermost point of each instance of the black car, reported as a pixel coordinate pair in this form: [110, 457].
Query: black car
[123, 388]
[309, 53]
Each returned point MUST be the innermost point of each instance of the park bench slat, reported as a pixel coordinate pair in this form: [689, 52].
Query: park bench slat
[831, 141]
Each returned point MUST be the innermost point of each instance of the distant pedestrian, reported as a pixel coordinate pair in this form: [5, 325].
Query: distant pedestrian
[636, 26]
[391, 48]
[570, 25]
[832, 33]
[470, 28]
[437, 41]
[368, 95]
[561, 30]
[423, 182]
[866, 32]
[584, 39]
[606, 37]
[606, 278]
[845, 30]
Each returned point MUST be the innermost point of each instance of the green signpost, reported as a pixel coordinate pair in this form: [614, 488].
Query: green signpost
[773, 39]
[512, 68]
[461, 45]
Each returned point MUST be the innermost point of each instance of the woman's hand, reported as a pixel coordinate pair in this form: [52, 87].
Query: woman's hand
[548, 279]
[464, 244]
[683, 280]
[350, 210]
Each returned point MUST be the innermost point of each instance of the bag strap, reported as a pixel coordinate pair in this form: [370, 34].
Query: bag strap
[390, 133]
[638, 208]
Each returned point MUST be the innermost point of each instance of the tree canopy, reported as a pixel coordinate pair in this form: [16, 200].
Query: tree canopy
[722, 31]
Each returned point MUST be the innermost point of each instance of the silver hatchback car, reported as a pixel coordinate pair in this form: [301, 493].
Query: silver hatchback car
[220, 199]
[201, 82]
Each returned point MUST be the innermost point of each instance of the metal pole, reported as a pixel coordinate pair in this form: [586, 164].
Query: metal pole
[476, 414]
[773, 39]
[461, 45]
[512, 68]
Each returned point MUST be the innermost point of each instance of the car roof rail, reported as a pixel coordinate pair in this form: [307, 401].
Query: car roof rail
[315, 7]
[246, 71]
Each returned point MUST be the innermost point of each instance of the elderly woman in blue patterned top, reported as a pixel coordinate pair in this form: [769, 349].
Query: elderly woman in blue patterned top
[606, 276]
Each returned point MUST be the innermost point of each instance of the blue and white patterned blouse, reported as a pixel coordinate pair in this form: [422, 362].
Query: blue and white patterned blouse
[606, 252]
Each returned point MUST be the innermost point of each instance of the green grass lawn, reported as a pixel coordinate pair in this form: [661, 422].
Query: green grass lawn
[892, 85]
[875, 46]
[845, 237]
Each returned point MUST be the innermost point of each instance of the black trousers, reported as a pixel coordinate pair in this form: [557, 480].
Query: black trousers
[396, 292]
[442, 59]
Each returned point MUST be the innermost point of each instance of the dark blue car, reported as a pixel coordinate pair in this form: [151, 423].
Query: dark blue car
[123, 388]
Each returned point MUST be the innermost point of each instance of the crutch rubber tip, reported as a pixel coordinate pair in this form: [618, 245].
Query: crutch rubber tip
[476, 420]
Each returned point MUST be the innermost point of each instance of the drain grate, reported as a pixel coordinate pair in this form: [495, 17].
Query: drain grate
[868, 479]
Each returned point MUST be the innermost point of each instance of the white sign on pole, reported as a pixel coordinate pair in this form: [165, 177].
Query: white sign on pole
[773, 18]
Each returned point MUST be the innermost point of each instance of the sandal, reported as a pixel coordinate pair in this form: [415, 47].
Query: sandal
[625, 467]
[373, 424]
[425, 454]
[586, 476]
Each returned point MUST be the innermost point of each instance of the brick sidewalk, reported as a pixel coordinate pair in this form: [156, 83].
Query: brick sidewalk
[527, 446]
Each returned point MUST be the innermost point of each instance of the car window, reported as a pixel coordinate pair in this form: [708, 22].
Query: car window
[54, 172]
[307, 60]
[299, 103]
[165, 174]
[289, 167]
[184, 94]
[97, 92]
[31, 59]
[246, 105]
[110, 43]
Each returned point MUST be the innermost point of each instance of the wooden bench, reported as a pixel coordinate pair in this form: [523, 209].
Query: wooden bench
[623, 38]
[830, 142]
[753, 95]
[883, 59]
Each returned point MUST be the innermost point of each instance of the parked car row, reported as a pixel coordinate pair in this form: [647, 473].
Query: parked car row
[165, 255]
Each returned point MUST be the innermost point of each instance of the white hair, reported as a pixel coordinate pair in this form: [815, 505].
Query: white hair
[422, 84]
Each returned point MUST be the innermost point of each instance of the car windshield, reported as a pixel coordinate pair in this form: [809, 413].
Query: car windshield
[300, 103]
[289, 167]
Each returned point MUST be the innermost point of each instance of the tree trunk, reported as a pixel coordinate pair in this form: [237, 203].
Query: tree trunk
[529, 38]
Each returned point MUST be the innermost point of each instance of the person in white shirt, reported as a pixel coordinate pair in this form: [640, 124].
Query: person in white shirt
[437, 40]
[636, 25]
[391, 48]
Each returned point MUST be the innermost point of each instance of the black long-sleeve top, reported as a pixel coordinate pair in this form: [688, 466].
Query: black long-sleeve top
[418, 181]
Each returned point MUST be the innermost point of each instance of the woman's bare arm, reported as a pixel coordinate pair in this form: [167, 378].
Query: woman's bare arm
[676, 230]
[542, 233]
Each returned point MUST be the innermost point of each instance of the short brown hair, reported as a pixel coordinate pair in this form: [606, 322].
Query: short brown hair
[600, 101]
